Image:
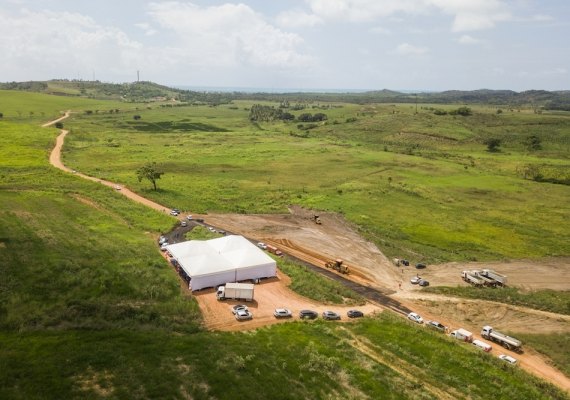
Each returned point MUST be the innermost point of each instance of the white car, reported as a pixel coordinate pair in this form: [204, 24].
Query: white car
[163, 246]
[239, 307]
[262, 245]
[162, 240]
[415, 317]
[189, 218]
[242, 315]
[415, 280]
[509, 359]
[211, 229]
[117, 187]
[183, 223]
[282, 313]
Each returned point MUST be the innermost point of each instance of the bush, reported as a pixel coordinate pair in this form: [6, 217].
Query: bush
[59, 125]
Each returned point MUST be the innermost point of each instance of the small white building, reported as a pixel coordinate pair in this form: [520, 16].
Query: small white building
[232, 258]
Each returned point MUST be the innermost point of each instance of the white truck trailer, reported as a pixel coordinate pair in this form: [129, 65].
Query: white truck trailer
[462, 334]
[506, 341]
[235, 291]
[500, 279]
[470, 277]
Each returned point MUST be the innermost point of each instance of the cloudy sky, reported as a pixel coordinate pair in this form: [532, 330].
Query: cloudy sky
[306, 44]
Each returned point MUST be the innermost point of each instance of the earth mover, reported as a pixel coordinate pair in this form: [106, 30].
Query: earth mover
[316, 219]
[337, 265]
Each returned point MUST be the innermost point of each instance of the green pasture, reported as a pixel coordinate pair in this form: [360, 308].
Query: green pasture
[294, 360]
[90, 309]
[418, 185]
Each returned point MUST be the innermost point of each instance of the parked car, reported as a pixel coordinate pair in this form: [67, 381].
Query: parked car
[242, 315]
[436, 325]
[174, 212]
[282, 313]
[415, 317]
[162, 239]
[330, 315]
[405, 262]
[163, 246]
[354, 314]
[183, 223]
[262, 245]
[309, 314]
[239, 307]
[221, 232]
[189, 218]
[509, 359]
[211, 229]
[199, 220]
[117, 187]
[420, 265]
[415, 280]
[423, 282]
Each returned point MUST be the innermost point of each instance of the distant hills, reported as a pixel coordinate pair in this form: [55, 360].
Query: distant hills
[149, 91]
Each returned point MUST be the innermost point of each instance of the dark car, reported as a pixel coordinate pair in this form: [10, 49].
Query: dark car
[423, 283]
[355, 314]
[309, 314]
[436, 325]
[330, 315]
[405, 262]
[420, 265]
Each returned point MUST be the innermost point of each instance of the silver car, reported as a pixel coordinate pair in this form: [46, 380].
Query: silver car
[242, 315]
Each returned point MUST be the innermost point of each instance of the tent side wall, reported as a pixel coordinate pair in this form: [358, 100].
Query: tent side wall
[259, 271]
[213, 280]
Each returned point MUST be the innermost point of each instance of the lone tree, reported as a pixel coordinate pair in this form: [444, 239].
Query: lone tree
[150, 172]
[533, 143]
[492, 144]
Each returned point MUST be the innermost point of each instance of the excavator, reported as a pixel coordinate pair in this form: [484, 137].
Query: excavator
[316, 219]
[337, 265]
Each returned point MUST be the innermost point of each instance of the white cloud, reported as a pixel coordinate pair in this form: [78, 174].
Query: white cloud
[466, 39]
[380, 30]
[228, 35]
[468, 15]
[148, 30]
[45, 44]
[298, 19]
[406, 49]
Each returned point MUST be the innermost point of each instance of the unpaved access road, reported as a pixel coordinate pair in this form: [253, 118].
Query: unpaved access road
[336, 238]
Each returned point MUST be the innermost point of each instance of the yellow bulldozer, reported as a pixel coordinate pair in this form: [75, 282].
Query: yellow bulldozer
[337, 265]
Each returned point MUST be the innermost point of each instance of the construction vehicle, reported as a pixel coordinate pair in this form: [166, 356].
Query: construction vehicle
[500, 279]
[508, 342]
[472, 278]
[337, 265]
[316, 219]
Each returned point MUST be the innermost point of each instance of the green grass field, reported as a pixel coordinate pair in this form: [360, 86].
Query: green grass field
[417, 185]
[89, 308]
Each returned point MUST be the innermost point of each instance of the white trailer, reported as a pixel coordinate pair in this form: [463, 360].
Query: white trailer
[486, 281]
[506, 341]
[235, 291]
[489, 273]
[462, 334]
[470, 277]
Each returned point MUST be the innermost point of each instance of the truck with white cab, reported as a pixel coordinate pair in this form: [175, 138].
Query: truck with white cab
[235, 291]
[506, 341]
[462, 334]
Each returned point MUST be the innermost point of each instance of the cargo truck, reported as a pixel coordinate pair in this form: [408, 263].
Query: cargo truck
[500, 279]
[462, 334]
[506, 341]
[273, 250]
[235, 291]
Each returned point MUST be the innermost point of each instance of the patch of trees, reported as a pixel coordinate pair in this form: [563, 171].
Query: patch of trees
[262, 113]
[463, 111]
[59, 125]
[492, 144]
[136, 117]
[533, 143]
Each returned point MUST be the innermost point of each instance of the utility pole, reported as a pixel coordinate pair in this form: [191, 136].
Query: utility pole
[416, 103]
[138, 76]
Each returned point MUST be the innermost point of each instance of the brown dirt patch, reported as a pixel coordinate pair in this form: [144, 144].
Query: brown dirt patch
[269, 294]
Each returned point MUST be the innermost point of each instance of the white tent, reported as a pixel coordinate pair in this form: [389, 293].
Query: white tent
[210, 263]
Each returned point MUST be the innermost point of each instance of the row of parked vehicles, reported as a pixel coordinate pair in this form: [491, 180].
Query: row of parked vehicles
[242, 313]
[487, 332]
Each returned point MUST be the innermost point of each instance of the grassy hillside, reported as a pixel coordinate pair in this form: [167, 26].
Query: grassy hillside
[89, 309]
[419, 185]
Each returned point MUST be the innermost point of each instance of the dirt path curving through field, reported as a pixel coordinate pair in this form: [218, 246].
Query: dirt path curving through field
[335, 238]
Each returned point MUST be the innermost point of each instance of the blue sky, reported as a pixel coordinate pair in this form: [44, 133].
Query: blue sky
[327, 44]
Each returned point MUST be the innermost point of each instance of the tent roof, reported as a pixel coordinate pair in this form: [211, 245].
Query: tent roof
[207, 257]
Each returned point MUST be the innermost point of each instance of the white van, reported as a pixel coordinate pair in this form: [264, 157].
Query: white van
[482, 345]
